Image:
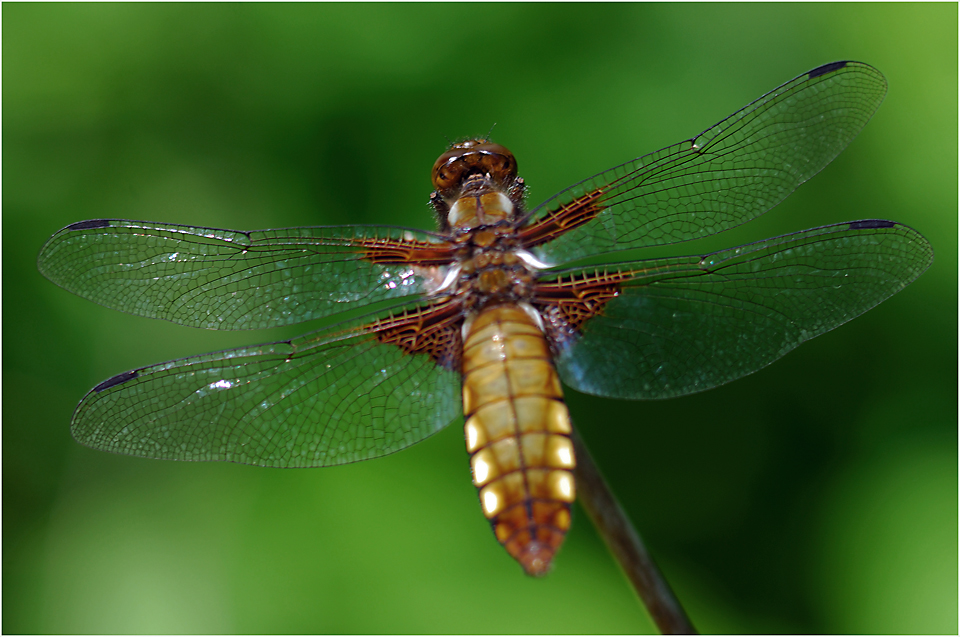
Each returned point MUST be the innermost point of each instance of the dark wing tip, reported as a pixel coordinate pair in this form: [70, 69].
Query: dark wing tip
[87, 225]
[868, 224]
[119, 379]
[826, 68]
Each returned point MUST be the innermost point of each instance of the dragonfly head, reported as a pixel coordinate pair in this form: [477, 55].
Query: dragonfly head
[472, 157]
[474, 168]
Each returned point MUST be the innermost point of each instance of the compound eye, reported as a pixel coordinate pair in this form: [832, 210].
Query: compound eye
[489, 148]
[448, 169]
[498, 162]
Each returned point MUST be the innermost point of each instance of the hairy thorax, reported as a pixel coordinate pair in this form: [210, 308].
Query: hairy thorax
[493, 271]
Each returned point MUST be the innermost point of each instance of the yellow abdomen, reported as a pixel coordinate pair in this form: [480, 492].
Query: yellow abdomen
[518, 434]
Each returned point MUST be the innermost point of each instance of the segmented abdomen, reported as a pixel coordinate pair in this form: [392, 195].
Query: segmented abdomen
[518, 434]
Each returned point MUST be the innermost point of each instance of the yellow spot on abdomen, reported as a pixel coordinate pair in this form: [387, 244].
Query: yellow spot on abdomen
[490, 503]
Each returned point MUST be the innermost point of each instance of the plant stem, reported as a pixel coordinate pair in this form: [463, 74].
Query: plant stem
[626, 546]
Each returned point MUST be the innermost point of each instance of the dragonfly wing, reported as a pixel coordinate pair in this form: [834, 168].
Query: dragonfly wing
[224, 279]
[331, 397]
[670, 327]
[729, 174]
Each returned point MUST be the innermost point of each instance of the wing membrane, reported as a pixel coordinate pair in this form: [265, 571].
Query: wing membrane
[729, 174]
[686, 324]
[223, 279]
[326, 398]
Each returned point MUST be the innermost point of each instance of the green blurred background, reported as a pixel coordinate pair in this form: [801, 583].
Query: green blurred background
[819, 495]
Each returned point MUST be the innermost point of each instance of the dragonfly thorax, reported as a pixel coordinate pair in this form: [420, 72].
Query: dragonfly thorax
[492, 276]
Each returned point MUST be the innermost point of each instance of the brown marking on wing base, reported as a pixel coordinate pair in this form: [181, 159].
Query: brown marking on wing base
[423, 253]
[433, 330]
[557, 222]
[569, 302]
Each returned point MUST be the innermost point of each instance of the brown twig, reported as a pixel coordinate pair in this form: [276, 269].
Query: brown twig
[626, 546]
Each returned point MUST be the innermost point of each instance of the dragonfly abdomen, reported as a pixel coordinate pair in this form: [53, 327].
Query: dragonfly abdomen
[518, 434]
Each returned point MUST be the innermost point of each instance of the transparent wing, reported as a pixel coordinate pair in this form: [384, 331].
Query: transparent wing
[686, 324]
[326, 398]
[224, 279]
[729, 174]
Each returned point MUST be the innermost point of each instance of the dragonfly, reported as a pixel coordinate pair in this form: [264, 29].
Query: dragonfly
[484, 317]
